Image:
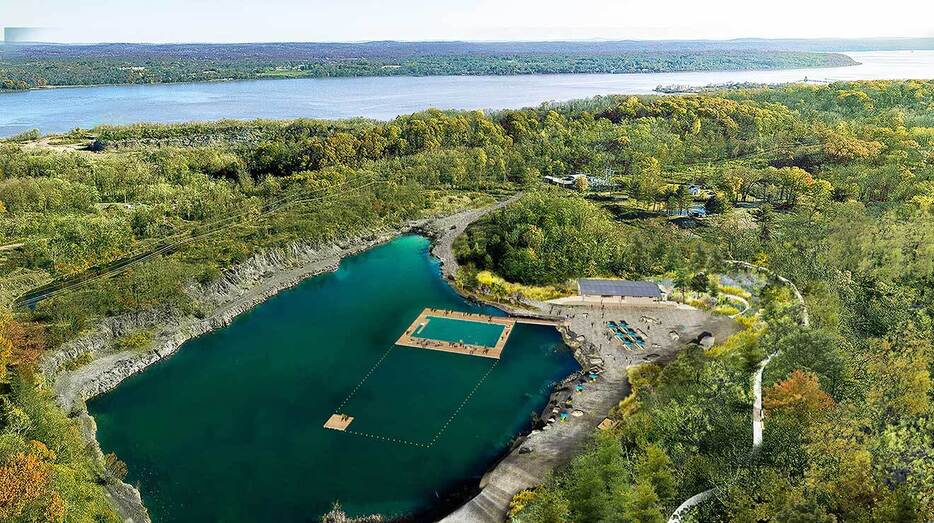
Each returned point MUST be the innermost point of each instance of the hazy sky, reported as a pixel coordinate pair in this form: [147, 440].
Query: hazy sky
[350, 20]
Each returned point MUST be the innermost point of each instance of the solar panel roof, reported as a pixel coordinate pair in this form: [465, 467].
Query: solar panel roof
[635, 289]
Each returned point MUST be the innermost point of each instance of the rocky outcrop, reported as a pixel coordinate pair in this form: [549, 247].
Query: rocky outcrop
[236, 291]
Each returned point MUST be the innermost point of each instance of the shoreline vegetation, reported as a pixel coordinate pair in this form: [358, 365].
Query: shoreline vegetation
[831, 186]
[32, 66]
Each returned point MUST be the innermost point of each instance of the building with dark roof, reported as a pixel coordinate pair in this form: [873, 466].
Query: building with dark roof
[623, 291]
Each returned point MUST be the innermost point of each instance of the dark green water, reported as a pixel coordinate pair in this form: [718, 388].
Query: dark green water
[230, 428]
[463, 331]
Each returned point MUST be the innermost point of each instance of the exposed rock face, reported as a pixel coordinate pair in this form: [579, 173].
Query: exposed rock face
[336, 515]
[238, 290]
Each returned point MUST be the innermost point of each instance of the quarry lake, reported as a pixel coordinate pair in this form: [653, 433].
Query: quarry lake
[59, 110]
[230, 427]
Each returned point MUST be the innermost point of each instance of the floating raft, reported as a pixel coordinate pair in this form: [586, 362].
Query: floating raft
[338, 422]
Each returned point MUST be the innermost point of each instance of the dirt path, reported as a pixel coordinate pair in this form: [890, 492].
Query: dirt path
[741, 300]
[45, 143]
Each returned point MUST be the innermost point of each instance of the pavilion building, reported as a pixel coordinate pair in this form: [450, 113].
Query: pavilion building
[620, 291]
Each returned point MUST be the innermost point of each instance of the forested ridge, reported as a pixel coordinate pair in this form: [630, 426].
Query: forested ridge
[27, 66]
[830, 186]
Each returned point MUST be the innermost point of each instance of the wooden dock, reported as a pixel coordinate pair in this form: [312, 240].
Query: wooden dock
[408, 340]
[338, 422]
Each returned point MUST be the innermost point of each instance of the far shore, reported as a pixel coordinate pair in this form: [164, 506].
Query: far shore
[479, 74]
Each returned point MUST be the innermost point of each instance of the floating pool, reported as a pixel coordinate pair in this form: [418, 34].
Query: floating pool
[456, 330]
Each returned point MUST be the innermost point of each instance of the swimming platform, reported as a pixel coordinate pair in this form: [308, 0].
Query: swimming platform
[338, 422]
[457, 332]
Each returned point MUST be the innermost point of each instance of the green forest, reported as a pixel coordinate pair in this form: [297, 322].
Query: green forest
[32, 66]
[830, 186]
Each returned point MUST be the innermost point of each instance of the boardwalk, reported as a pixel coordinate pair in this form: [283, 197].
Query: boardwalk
[697, 499]
[408, 340]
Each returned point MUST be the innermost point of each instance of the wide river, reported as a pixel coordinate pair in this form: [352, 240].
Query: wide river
[58, 110]
[230, 428]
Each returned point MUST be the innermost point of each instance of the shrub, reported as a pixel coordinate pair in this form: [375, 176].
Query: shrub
[138, 340]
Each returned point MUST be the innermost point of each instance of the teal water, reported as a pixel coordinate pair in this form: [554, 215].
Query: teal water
[230, 427]
[455, 330]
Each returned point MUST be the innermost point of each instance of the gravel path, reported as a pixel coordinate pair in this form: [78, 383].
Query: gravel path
[448, 228]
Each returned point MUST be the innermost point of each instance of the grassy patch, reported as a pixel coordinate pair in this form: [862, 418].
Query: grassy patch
[734, 291]
[726, 310]
[493, 285]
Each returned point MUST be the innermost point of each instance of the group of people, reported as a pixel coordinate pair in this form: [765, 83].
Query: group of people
[422, 342]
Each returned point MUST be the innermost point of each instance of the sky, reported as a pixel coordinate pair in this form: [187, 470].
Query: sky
[356, 20]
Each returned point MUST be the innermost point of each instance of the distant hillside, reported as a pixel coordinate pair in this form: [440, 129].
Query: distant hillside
[395, 49]
[24, 66]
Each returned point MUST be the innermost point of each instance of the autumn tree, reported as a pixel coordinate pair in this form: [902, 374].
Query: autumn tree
[799, 395]
[25, 491]
[6, 345]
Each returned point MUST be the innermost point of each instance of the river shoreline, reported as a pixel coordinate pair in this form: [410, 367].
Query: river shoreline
[853, 62]
[63, 109]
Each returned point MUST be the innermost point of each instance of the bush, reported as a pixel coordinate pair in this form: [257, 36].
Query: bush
[726, 310]
[139, 340]
[25, 136]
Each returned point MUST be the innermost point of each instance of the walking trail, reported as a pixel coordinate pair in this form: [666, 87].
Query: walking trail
[679, 513]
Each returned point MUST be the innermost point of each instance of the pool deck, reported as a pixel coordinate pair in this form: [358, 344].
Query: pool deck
[338, 422]
[408, 340]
